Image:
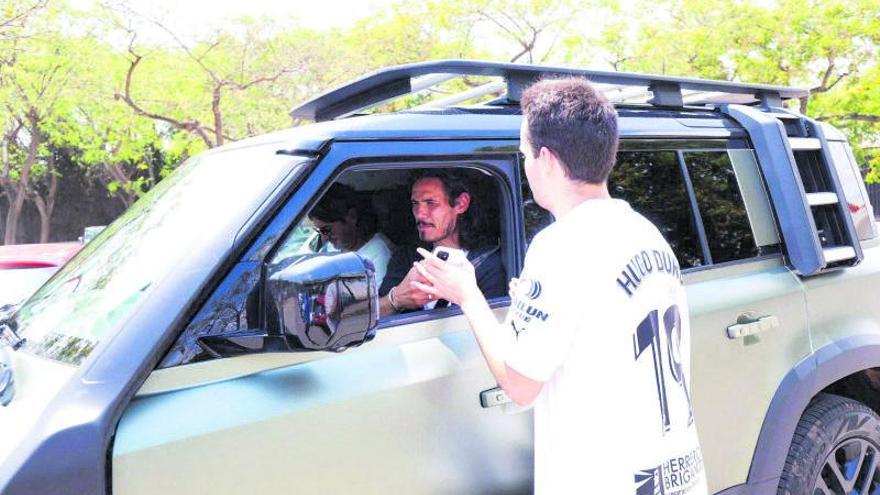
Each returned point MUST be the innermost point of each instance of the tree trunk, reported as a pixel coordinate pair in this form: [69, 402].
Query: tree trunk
[16, 203]
[218, 116]
[804, 102]
[46, 206]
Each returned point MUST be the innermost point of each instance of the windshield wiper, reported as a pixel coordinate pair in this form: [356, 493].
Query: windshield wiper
[8, 326]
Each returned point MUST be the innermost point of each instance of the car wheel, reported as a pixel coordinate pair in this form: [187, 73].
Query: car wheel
[835, 450]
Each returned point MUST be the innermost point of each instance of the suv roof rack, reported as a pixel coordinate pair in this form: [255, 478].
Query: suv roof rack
[394, 82]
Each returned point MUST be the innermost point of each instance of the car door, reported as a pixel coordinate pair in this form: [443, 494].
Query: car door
[400, 414]
[747, 309]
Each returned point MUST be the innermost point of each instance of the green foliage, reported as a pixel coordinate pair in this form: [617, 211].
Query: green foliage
[827, 46]
[133, 105]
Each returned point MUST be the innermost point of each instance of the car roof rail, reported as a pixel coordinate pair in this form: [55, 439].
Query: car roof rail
[394, 82]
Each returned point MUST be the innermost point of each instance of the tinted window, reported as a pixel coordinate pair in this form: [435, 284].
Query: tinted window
[535, 218]
[852, 184]
[384, 195]
[206, 198]
[723, 212]
[652, 183]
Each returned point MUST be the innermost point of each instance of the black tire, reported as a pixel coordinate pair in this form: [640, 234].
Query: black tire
[835, 450]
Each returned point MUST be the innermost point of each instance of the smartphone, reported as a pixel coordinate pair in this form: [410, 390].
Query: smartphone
[446, 254]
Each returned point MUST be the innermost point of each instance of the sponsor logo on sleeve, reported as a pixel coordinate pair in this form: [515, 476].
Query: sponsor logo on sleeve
[525, 305]
[534, 291]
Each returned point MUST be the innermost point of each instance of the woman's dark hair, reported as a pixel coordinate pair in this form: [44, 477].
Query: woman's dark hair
[338, 201]
[474, 228]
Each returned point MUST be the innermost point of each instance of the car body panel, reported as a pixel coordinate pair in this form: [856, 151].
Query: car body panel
[17, 284]
[723, 399]
[82, 417]
[37, 381]
[831, 321]
[410, 397]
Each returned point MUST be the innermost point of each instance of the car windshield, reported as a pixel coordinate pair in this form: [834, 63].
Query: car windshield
[101, 286]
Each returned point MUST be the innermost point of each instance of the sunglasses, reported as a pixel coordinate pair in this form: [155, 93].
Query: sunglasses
[324, 231]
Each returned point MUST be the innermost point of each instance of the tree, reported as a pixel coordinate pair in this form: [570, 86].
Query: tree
[825, 46]
[35, 92]
[235, 83]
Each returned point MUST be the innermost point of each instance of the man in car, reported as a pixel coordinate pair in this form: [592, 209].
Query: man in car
[446, 214]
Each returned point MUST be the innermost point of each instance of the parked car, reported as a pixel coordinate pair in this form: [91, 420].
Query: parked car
[201, 345]
[25, 267]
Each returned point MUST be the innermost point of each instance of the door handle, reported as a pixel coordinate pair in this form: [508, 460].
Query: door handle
[747, 324]
[494, 397]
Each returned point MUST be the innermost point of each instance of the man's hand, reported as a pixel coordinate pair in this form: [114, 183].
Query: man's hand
[408, 296]
[512, 287]
[453, 280]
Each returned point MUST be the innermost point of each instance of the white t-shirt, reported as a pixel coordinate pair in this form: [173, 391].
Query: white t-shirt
[378, 250]
[600, 316]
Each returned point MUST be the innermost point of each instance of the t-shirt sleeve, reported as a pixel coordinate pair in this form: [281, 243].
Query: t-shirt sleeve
[545, 314]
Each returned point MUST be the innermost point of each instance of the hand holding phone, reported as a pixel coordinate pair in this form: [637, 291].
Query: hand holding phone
[450, 254]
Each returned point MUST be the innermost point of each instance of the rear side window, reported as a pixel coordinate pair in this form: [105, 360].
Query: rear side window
[853, 186]
[653, 184]
[693, 197]
[728, 232]
[535, 218]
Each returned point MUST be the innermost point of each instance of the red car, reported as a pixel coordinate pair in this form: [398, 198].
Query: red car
[24, 267]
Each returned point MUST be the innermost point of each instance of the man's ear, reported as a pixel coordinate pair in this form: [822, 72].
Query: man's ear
[462, 203]
[551, 159]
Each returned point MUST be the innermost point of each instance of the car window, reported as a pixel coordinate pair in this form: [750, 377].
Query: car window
[86, 300]
[359, 212]
[382, 194]
[372, 213]
[853, 186]
[535, 218]
[721, 205]
[653, 184]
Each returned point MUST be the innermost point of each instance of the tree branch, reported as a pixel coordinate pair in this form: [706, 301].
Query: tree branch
[190, 126]
[189, 53]
[873, 119]
[23, 14]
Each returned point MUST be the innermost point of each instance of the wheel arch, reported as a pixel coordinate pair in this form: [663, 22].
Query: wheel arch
[825, 368]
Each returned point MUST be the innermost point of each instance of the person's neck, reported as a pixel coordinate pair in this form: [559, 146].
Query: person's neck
[361, 242]
[450, 242]
[571, 194]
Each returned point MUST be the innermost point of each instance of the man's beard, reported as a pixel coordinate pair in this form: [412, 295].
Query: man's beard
[447, 234]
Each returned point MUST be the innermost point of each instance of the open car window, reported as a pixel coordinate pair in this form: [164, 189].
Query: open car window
[372, 213]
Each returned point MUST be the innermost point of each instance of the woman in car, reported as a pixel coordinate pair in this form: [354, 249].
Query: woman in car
[344, 218]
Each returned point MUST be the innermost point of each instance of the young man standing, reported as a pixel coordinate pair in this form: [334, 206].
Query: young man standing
[597, 335]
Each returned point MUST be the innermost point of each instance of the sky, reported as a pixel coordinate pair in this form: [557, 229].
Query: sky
[319, 14]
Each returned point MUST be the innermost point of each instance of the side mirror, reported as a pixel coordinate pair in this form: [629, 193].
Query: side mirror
[321, 302]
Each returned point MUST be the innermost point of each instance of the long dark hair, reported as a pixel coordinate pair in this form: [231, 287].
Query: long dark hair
[338, 201]
[474, 229]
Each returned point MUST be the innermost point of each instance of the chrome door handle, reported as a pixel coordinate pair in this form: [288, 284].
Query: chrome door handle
[494, 397]
[747, 325]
